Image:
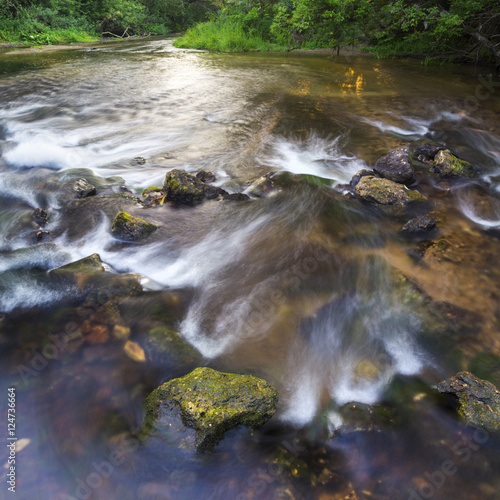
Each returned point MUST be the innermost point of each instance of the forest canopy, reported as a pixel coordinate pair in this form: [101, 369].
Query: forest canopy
[466, 30]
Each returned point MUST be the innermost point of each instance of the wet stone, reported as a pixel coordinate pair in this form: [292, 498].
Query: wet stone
[478, 400]
[130, 228]
[205, 176]
[88, 265]
[423, 151]
[210, 403]
[448, 165]
[419, 225]
[184, 188]
[40, 216]
[83, 188]
[396, 167]
[236, 197]
[385, 192]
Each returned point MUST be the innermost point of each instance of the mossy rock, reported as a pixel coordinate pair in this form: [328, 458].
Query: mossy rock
[448, 165]
[379, 191]
[478, 400]
[211, 403]
[87, 265]
[182, 187]
[421, 153]
[152, 189]
[130, 228]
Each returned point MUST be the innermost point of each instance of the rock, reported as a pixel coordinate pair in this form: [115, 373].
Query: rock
[182, 187]
[121, 332]
[236, 197]
[421, 153]
[358, 175]
[205, 176]
[87, 265]
[419, 225]
[82, 188]
[165, 348]
[448, 165]
[212, 192]
[140, 160]
[396, 167]
[130, 228]
[211, 402]
[150, 190]
[262, 187]
[385, 192]
[478, 400]
[361, 417]
[40, 216]
[134, 351]
[42, 236]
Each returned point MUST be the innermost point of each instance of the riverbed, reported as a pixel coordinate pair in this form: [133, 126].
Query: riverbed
[301, 287]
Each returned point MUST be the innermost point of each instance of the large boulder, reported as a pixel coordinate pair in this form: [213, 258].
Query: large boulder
[478, 400]
[130, 228]
[209, 403]
[396, 167]
[385, 192]
[182, 187]
[448, 165]
[421, 153]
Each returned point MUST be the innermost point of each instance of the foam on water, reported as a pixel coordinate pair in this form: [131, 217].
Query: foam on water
[314, 155]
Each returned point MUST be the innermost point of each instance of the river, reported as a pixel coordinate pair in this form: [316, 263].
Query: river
[298, 287]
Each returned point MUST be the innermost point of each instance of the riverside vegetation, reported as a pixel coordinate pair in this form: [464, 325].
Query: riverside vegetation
[458, 30]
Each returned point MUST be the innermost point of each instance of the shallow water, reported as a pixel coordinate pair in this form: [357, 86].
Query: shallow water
[298, 288]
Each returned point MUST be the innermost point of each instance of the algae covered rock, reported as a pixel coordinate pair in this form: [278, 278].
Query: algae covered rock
[88, 265]
[385, 192]
[130, 228]
[422, 152]
[182, 187]
[478, 400]
[396, 167]
[210, 403]
[448, 165]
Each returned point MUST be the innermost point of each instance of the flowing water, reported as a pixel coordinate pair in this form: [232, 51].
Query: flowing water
[302, 288]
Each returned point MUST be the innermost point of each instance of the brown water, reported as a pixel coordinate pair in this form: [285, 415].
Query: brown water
[299, 288]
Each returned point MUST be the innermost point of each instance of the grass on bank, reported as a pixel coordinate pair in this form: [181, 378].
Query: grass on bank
[223, 36]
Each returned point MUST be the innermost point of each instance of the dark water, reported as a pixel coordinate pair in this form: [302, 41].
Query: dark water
[300, 288]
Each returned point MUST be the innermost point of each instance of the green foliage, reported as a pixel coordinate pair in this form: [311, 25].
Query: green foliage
[224, 35]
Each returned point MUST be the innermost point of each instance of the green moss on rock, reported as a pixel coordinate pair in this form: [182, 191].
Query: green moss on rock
[130, 228]
[152, 189]
[182, 187]
[88, 265]
[211, 403]
[448, 165]
[385, 192]
[478, 400]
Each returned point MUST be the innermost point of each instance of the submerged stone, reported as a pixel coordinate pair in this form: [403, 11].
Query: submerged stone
[419, 225]
[396, 167]
[83, 188]
[205, 176]
[478, 400]
[262, 187]
[422, 152]
[130, 228]
[87, 265]
[448, 165]
[385, 192]
[40, 216]
[182, 187]
[210, 403]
